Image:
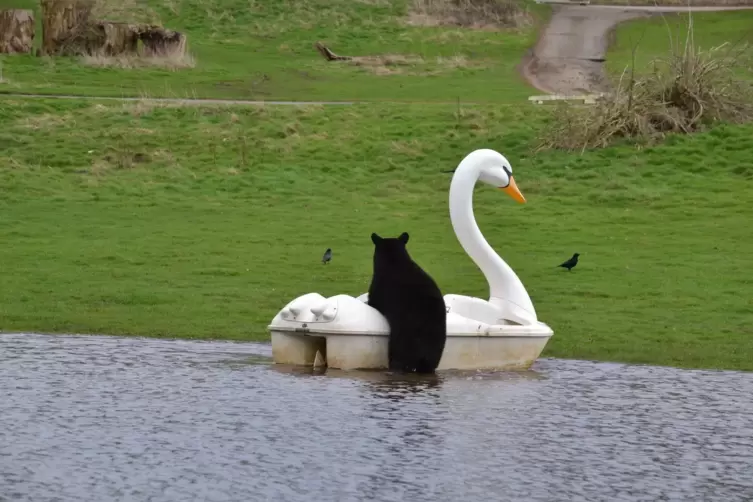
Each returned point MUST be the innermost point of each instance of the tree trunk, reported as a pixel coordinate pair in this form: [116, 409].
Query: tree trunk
[62, 23]
[160, 42]
[16, 31]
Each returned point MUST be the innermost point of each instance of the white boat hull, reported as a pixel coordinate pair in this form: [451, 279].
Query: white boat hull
[369, 352]
[348, 334]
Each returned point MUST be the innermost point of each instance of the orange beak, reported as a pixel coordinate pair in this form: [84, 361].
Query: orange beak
[513, 191]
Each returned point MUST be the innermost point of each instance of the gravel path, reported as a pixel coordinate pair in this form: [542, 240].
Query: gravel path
[568, 58]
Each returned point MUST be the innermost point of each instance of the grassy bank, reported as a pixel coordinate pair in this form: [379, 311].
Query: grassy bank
[264, 49]
[660, 35]
[203, 222]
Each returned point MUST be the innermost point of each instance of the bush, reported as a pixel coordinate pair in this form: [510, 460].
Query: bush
[685, 92]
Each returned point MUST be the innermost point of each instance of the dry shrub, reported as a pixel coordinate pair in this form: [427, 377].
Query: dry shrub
[685, 92]
[470, 13]
[173, 62]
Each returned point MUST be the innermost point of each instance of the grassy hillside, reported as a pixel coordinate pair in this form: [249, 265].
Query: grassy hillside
[203, 222]
[264, 49]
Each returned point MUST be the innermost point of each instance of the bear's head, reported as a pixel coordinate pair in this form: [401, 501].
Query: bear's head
[390, 248]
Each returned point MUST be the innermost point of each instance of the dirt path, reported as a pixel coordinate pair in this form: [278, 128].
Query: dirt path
[568, 58]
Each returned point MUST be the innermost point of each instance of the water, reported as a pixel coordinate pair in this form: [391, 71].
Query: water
[101, 418]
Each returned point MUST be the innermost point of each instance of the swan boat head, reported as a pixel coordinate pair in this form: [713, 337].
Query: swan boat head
[496, 170]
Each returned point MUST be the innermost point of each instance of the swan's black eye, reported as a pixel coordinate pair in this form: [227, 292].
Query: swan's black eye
[509, 175]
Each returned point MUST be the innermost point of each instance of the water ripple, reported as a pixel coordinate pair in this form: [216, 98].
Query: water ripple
[104, 418]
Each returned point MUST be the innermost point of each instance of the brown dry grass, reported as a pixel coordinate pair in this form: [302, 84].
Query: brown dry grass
[46, 121]
[139, 61]
[470, 13]
[387, 63]
[393, 64]
[686, 91]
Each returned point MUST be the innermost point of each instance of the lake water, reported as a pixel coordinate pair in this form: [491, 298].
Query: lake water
[89, 418]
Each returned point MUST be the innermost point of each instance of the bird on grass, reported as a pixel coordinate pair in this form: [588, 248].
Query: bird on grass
[327, 256]
[570, 264]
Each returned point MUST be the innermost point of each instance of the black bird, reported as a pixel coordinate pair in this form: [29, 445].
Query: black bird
[327, 256]
[569, 264]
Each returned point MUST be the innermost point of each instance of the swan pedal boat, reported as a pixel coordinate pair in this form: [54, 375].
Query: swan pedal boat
[502, 333]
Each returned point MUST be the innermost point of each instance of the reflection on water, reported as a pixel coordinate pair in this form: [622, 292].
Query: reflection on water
[104, 418]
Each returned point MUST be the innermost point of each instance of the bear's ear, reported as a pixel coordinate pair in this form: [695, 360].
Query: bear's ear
[404, 238]
[375, 238]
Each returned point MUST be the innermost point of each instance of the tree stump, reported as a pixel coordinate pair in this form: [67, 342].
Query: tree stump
[104, 38]
[62, 23]
[16, 31]
[161, 42]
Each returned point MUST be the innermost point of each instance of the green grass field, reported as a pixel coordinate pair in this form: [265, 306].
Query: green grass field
[202, 222]
[659, 35]
[265, 50]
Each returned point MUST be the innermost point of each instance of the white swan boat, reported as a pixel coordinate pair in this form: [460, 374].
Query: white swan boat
[502, 333]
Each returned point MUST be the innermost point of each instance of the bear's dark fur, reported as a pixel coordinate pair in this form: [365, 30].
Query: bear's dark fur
[413, 305]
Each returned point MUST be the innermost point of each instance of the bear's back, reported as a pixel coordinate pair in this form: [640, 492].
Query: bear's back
[399, 283]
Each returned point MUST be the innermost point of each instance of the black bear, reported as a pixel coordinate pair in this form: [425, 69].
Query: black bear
[413, 305]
